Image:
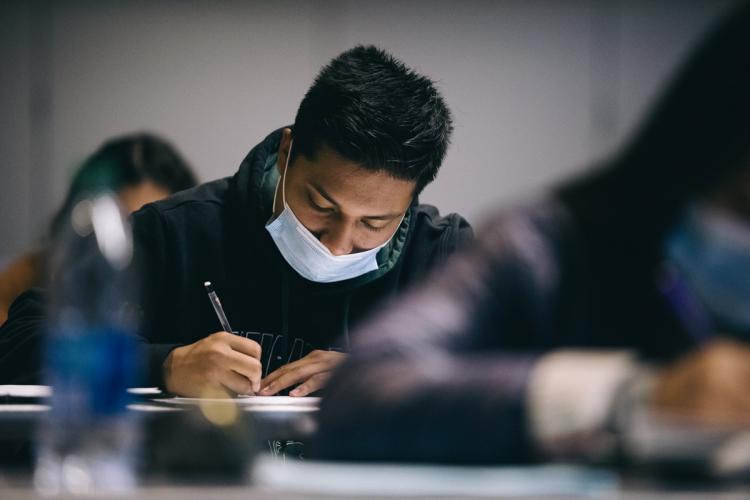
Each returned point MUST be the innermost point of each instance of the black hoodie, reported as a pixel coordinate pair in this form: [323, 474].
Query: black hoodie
[216, 232]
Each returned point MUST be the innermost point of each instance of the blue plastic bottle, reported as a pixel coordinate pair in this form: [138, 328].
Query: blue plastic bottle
[88, 441]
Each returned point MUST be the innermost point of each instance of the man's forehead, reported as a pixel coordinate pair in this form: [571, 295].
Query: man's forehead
[347, 183]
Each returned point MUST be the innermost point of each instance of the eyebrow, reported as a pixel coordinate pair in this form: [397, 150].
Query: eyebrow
[328, 197]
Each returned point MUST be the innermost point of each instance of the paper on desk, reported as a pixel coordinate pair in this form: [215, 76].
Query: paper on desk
[248, 400]
[145, 391]
[23, 408]
[26, 391]
[45, 391]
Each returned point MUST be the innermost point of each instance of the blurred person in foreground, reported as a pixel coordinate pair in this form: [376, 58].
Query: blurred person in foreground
[320, 223]
[140, 168]
[630, 284]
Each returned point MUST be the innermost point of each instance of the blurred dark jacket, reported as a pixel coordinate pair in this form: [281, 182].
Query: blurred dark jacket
[442, 376]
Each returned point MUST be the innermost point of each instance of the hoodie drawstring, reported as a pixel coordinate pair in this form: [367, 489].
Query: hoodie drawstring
[284, 301]
[345, 321]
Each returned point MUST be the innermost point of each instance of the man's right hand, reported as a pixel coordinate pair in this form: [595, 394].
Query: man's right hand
[711, 385]
[220, 364]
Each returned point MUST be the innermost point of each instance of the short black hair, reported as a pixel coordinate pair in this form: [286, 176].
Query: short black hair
[124, 161]
[371, 109]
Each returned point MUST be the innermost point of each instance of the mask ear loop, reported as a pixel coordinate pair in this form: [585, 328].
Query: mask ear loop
[283, 178]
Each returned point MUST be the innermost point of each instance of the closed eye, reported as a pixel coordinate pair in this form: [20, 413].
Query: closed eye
[318, 208]
[371, 227]
[322, 209]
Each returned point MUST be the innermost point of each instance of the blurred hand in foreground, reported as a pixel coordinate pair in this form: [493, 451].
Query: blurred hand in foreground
[711, 385]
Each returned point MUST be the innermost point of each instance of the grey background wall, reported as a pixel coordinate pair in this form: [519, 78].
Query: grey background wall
[539, 89]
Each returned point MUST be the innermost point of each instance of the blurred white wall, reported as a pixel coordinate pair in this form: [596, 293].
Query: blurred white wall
[539, 89]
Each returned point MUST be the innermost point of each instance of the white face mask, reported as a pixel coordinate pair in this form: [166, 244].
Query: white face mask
[307, 255]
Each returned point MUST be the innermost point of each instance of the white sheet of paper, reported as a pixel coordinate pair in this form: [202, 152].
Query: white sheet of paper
[43, 391]
[248, 400]
[26, 391]
[145, 391]
[25, 408]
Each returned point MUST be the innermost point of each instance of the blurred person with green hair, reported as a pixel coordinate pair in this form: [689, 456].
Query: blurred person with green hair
[140, 168]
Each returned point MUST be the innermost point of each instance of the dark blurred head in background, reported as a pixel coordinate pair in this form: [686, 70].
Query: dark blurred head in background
[694, 144]
[140, 168]
[680, 189]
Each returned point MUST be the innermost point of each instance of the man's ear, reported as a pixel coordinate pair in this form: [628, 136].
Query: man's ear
[284, 149]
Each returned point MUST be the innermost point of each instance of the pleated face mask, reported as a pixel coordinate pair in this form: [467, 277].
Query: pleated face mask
[307, 255]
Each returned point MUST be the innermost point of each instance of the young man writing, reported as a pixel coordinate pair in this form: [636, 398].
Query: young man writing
[319, 225]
